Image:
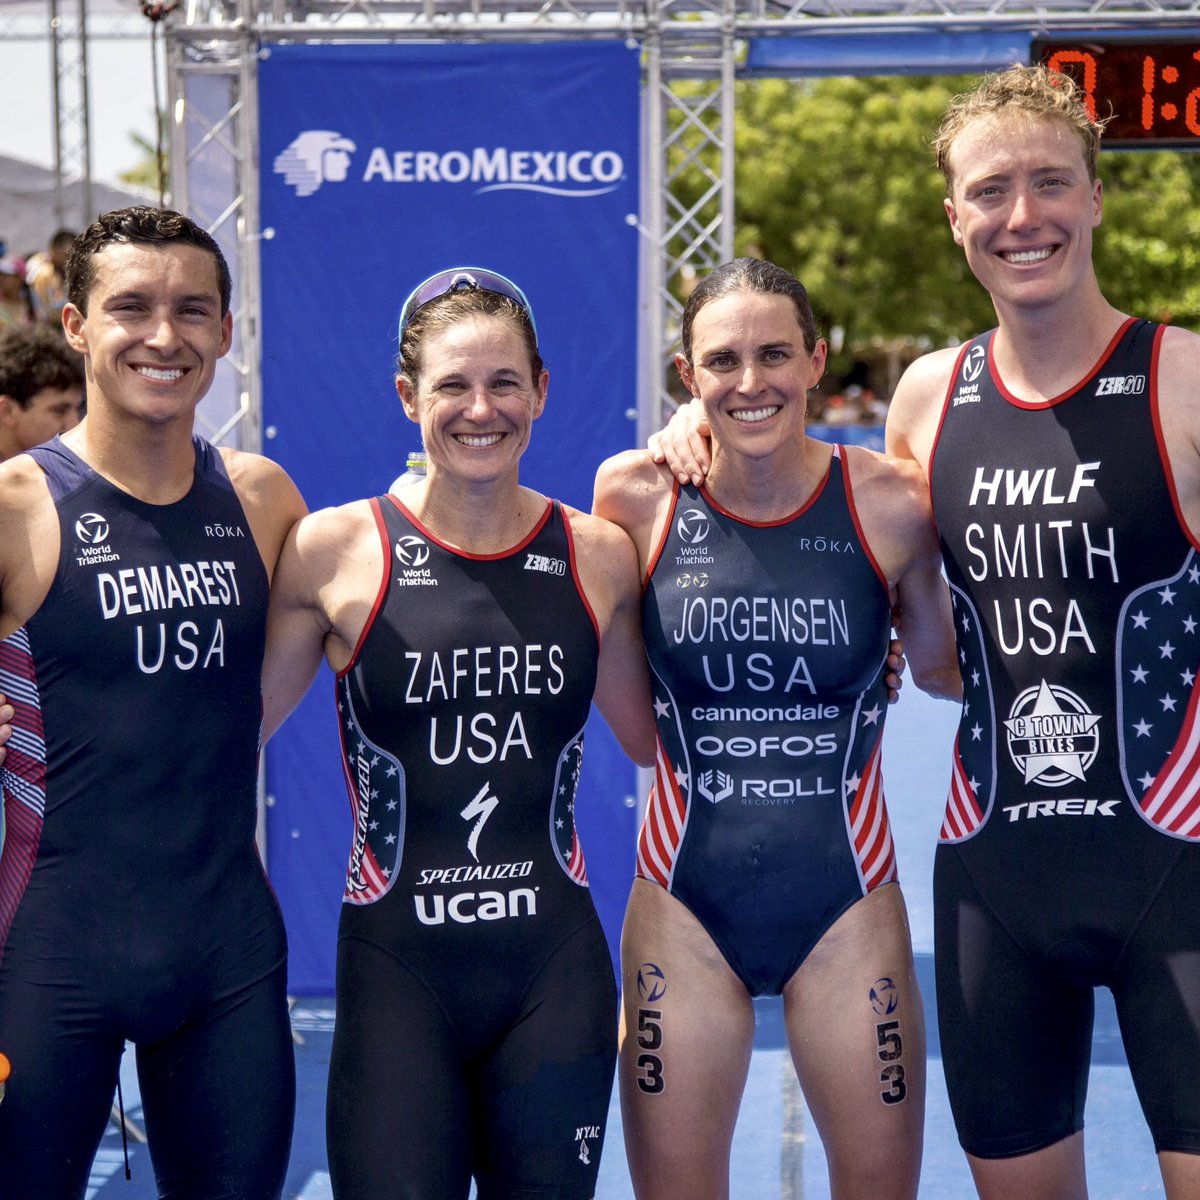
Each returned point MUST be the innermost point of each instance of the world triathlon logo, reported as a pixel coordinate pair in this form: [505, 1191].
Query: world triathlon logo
[1052, 735]
[91, 529]
[412, 551]
[317, 156]
[692, 527]
[973, 363]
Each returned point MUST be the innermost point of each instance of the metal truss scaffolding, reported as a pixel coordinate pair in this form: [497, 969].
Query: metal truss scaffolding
[691, 52]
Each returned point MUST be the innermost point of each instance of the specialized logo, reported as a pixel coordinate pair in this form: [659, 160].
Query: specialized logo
[1120, 385]
[412, 551]
[481, 807]
[317, 156]
[651, 982]
[714, 786]
[692, 526]
[548, 566]
[1052, 735]
[686, 580]
[884, 997]
[91, 529]
[973, 364]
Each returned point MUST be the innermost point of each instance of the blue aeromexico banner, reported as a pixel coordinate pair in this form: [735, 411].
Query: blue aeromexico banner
[379, 166]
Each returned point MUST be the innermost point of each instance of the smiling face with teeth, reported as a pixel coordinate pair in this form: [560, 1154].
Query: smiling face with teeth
[475, 398]
[153, 331]
[1023, 207]
[751, 369]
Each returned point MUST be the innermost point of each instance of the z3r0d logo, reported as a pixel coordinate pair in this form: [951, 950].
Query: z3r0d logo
[1052, 735]
[317, 156]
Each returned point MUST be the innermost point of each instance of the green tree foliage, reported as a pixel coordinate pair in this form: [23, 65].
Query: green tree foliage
[836, 181]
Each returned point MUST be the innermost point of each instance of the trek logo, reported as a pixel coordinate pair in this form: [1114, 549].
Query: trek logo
[1120, 385]
[412, 551]
[482, 806]
[91, 529]
[1052, 735]
[722, 790]
[1061, 808]
[692, 527]
[548, 566]
[972, 366]
[317, 156]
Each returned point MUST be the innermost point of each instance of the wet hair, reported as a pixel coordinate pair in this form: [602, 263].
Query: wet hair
[749, 275]
[34, 358]
[139, 226]
[447, 310]
[1033, 92]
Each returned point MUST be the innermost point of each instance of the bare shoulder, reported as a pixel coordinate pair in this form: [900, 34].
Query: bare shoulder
[630, 484]
[271, 500]
[1179, 379]
[597, 538]
[915, 406]
[892, 498]
[330, 530]
[29, 540]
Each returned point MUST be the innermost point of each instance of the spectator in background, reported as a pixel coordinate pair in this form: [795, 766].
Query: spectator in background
[41, 388]
[44, 275]
[15, 308]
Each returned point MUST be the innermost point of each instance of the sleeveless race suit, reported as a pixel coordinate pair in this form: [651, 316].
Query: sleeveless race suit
[476, 1028]
[132, 901]
[1068, 856]
[767, 645]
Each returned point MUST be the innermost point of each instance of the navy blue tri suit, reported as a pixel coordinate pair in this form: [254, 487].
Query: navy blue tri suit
[476, 1024]
[132, 901]
[767, 645]
[1069, 854]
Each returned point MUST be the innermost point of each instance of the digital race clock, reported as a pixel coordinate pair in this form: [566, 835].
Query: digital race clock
[1150, 86]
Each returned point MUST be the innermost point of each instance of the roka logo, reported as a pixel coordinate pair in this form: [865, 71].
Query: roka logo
[317, 156]
[91, 529]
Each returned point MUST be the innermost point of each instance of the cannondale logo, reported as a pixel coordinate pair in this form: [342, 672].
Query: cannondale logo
[91, 529]
[317, 156]
[973, 363]
[412, 551]
[692, 527]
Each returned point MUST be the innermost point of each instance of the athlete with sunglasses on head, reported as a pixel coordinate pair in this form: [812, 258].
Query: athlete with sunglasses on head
[469, 621]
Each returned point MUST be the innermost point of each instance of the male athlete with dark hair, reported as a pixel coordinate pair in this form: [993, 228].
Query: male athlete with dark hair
[41, 387]
[134, 564]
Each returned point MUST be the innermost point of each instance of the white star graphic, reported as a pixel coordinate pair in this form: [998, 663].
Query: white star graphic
[661, 708]
[974, 678]
[1140, 620]
[976, 732]
[1142, 729]
[871, 716]
[1194, 575]
[1167, 650]
[974, 785]
[1139, 674]
[391, 806]
[391, 837]
[1168, 703]
[681, 778]
[373, 825]
[1146, 780]
[966, 622]
[558, 824]
[1038, 762]
[1167, 596]
[853, 782]
[391, 770]
[1189, 625]
[1188, 677]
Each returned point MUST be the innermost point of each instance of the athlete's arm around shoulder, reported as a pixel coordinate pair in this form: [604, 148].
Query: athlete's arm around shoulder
[271, 500]
[1179, 413]
[892, 500]
[326, 582]
[608, 574]
[29, 541]
[634, 492]
[916, 407]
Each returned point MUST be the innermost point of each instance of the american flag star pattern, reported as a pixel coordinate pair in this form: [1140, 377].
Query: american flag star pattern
[667, 810]
[564, 837]
[23, 776]
[973, 771]
[376, 785]
[1158, 658]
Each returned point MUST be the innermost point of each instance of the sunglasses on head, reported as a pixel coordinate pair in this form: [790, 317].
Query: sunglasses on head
[463, 279]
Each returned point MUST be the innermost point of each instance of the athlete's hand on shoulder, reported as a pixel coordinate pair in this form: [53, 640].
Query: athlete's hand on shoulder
[684, 444]
[6, 717]
[895, 663]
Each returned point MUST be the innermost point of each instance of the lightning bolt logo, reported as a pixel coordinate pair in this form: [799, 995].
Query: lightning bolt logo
[482, 807]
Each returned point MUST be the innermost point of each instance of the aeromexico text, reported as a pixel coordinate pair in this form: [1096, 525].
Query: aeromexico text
[494, 165]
